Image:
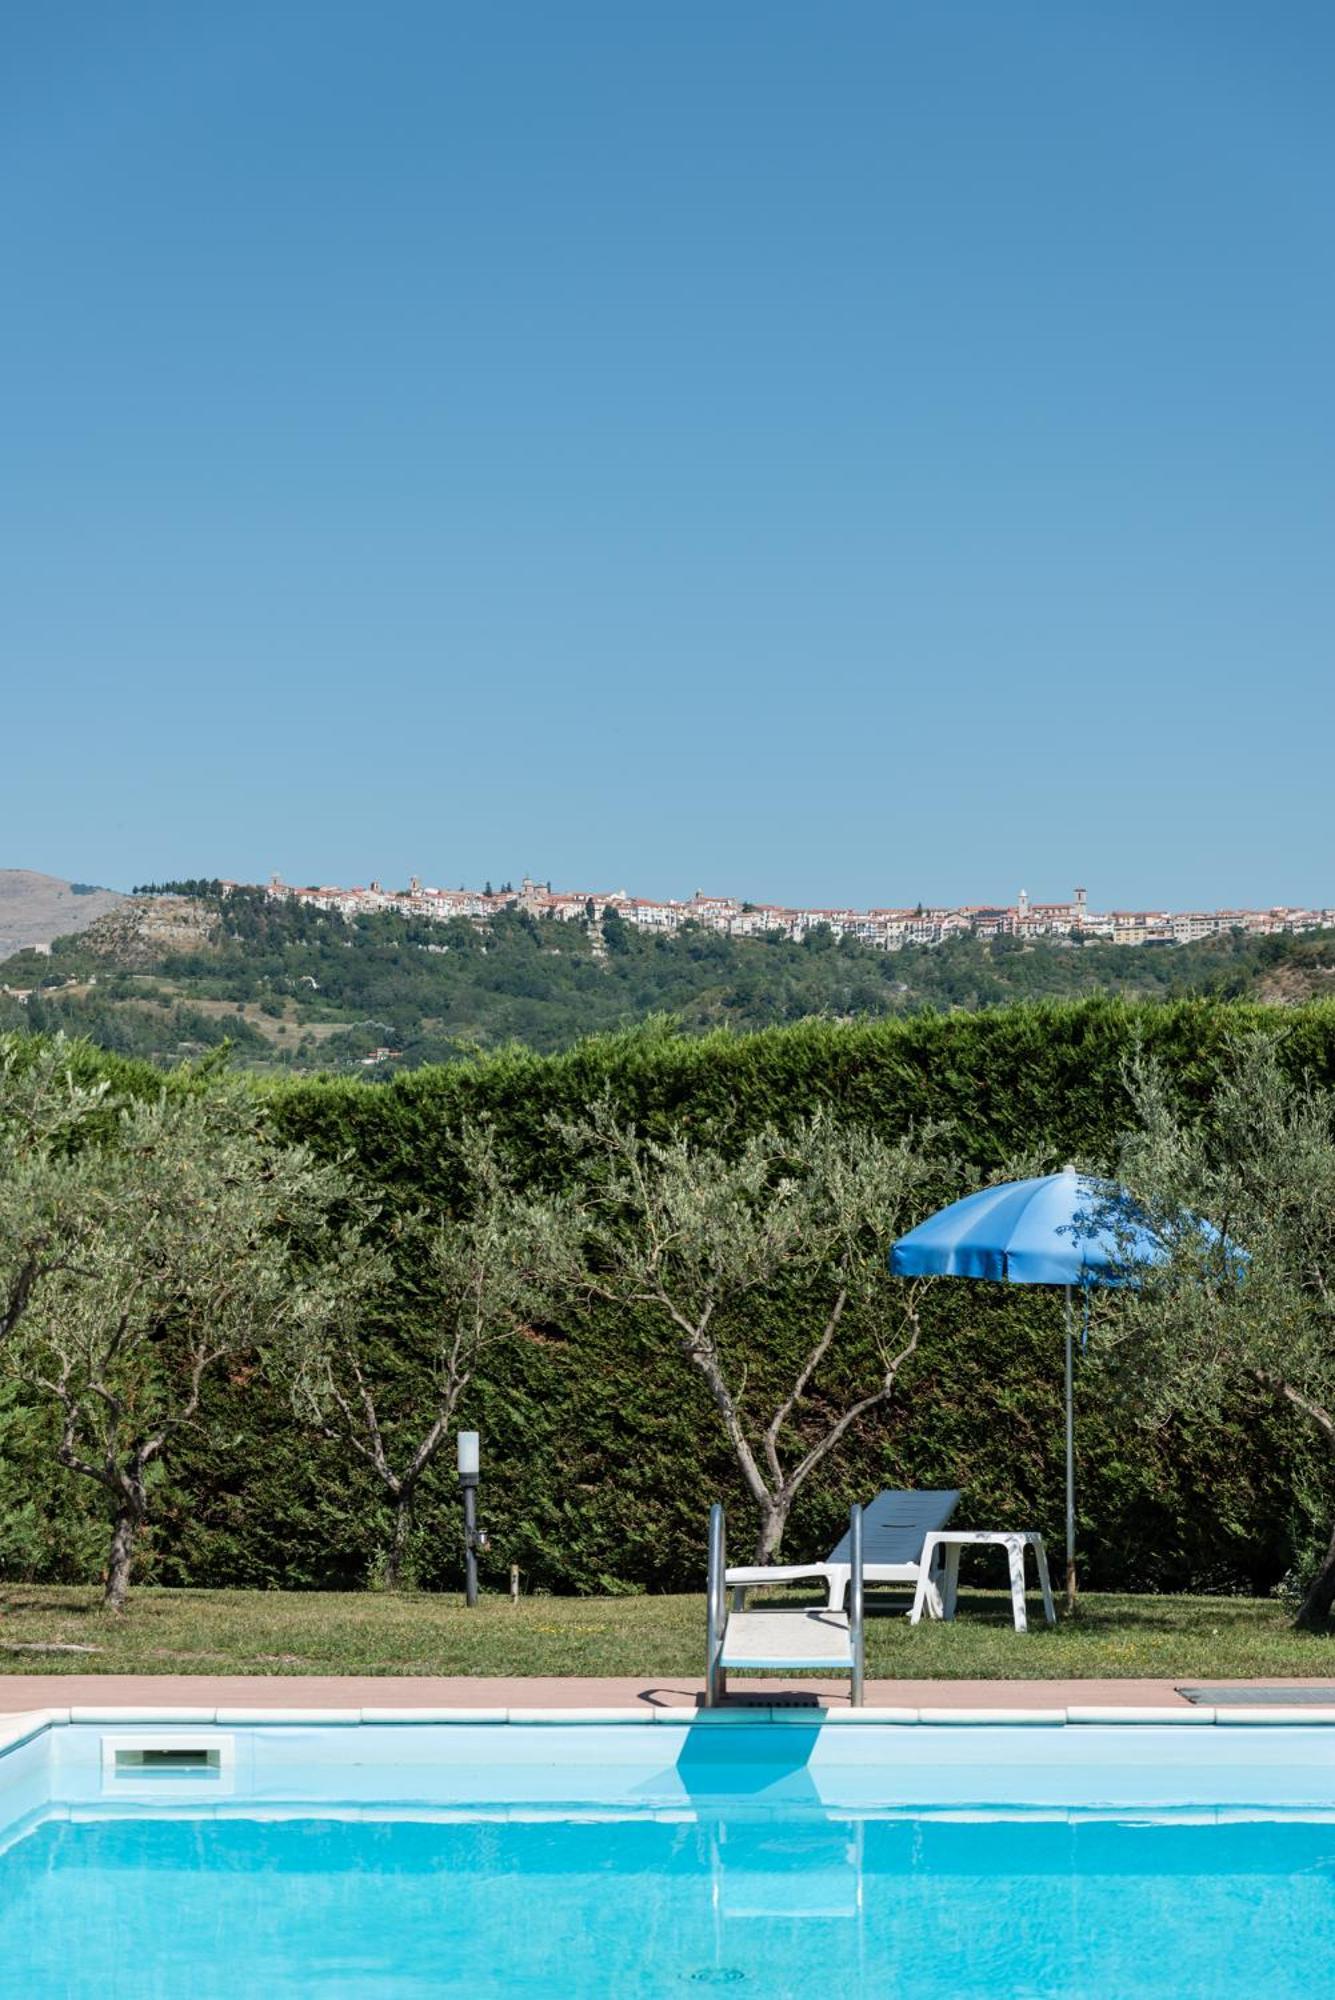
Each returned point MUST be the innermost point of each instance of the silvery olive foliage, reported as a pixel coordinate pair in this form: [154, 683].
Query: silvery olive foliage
[1243, 1195]
[483, 1272]
[188, 1239]
[705, 1238]
[48, 1168]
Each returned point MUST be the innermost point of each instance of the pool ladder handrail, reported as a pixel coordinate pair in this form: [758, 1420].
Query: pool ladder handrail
[716, 1613]
[855, 1607]
[716, 1606]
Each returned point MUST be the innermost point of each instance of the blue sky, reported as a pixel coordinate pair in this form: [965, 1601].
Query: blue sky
[866, 453]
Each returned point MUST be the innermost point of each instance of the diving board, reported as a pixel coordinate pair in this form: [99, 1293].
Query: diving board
[807, 1639]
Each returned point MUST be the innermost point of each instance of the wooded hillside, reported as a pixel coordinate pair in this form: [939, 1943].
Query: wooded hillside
[297, 989]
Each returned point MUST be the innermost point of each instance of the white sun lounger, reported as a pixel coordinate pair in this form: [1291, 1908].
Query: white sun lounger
[894, 1528]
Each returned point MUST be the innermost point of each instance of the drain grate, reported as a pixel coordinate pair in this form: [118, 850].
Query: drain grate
[1235, 1694]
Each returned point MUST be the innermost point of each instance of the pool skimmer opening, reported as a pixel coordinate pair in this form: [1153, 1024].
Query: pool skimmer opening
[189, 1759]
[160, 1758]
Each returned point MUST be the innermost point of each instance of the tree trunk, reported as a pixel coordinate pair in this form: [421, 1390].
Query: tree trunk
[128, 1523]
[773, 1521]
[1314, 1611]
[398, 1546]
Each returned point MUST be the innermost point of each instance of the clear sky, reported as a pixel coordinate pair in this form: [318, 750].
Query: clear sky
[856, 453]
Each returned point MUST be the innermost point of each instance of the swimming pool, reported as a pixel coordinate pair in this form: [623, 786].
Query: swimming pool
[216, 1856]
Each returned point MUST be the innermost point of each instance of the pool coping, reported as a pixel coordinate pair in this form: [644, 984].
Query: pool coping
[237, 1700]
[21, 1727]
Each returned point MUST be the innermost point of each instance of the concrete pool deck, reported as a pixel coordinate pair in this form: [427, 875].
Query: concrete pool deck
[23, 1693]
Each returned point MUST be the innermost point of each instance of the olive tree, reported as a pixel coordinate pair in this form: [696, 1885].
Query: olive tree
[385, 1373]
[717, 1246]
[204, 1240]
[49, 1121]
[1243, 1197]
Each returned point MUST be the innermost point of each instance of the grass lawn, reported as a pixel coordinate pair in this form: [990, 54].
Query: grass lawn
[54, 1629]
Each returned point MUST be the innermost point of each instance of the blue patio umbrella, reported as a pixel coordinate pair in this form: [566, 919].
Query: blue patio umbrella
[1068, 1229]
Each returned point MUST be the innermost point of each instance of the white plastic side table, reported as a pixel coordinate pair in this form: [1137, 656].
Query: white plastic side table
[953, 1541]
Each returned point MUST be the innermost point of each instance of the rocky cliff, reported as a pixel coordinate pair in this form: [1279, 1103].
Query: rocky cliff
[143, 930]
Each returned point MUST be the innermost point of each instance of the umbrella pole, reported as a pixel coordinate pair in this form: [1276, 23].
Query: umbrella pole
[1070, 1456]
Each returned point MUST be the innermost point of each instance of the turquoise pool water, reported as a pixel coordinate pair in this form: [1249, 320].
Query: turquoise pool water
[786, 1905]
[776, 1907]
[647, 1862]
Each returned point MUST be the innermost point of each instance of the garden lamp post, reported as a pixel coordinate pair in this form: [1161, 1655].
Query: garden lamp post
[468, 1470]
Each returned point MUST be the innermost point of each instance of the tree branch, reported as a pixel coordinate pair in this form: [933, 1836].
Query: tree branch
[891, 1367]
[799, 1389]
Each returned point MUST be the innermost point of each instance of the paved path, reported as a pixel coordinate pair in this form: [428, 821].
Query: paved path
[28, 1691]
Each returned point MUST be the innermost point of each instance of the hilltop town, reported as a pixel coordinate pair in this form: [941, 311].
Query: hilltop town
[370, 979]
[887, 929]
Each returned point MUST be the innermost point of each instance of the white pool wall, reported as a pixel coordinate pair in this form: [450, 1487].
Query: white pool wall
[692, 1765]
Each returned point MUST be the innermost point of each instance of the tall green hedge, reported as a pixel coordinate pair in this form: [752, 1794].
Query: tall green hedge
[600, 1452]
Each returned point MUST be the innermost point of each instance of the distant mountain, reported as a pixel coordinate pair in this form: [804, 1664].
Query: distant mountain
[37, 909]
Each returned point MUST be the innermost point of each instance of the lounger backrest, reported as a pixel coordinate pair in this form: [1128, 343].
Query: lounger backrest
[894, 1524]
